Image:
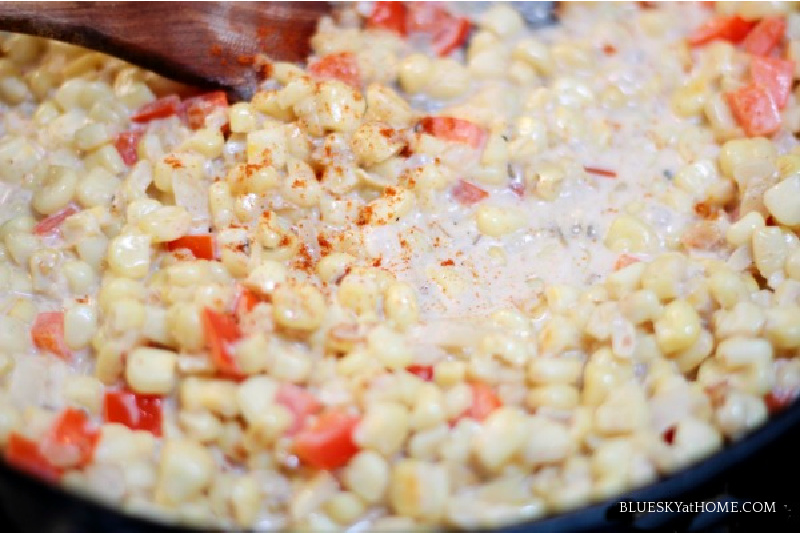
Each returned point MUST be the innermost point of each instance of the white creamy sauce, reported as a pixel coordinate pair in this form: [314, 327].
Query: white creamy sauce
[561, 240]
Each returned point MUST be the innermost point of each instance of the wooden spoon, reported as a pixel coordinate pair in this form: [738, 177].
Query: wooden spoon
[207, 44]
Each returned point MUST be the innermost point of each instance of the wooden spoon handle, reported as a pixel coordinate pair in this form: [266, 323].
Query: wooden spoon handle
[202, 43]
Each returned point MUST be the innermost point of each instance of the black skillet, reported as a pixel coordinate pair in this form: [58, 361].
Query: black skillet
[762, 467]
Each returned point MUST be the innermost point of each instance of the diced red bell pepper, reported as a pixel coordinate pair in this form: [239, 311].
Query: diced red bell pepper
[221, 332]
[161, 108]
[775, 75]
[73, 429]
[466, 193]
[454, 129]
[135, 411]
[624, 260]
[484, 401]
[754, 110]
[447, 31]
[425, 16]
[388, 16]
[765, 37]
[47, 333]
[423, 372]
[127, 144]
[731, 28]
[777, 400]
[246, 300]
[668, 435]
[342, 66]
[201, 246]
[328, 442]
[197, 108]
[53, 222]
[452, 34]
[517, 187]
[300, 402]
[24, 454]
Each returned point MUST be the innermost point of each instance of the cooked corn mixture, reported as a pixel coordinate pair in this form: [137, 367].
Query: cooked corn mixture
[453, 272]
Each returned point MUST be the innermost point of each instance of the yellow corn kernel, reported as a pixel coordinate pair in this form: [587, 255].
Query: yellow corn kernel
[678, 327]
